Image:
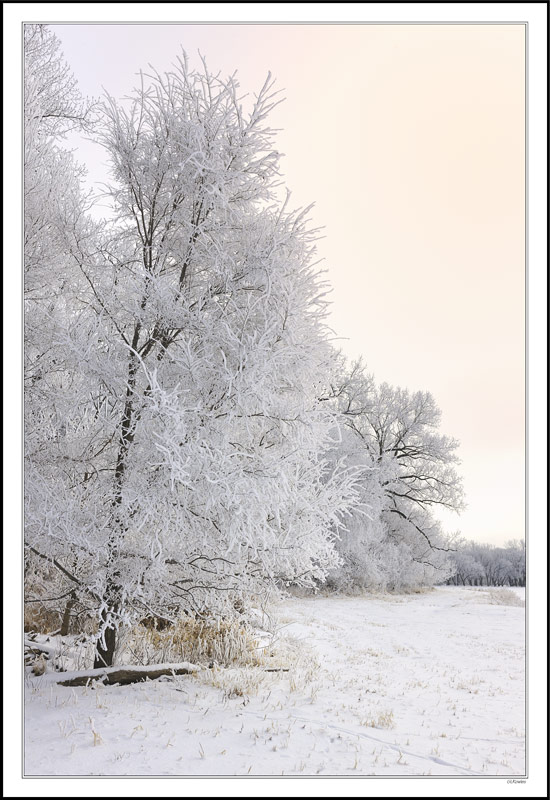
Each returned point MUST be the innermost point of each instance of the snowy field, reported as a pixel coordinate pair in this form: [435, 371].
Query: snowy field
[420, 684]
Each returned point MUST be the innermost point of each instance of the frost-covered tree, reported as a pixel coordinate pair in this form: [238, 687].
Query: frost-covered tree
[54, 217]
[53, 202]
[361, 543]
[52, 98]
[516, 555]
[191, 463]
[394, 435]
[467, 569]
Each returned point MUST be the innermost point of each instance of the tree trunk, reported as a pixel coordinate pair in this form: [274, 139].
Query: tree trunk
[66, 621]
[104, 655]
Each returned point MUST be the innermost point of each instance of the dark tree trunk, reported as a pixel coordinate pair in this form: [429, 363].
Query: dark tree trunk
[66, 621]
[104, 655]
[105, 647]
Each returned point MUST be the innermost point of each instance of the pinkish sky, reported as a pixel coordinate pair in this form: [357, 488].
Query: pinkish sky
[410, 141]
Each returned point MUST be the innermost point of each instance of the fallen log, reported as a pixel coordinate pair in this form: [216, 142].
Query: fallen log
[125, 675]
[36, 647]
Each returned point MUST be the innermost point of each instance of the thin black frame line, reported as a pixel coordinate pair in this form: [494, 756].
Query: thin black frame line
[267, 23]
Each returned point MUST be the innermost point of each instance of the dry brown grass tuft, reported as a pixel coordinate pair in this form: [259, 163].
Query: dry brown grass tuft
[39, 619]
[224, 642]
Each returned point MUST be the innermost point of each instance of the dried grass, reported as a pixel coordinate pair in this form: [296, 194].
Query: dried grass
[39, 619]
[504, 597]
[224, 642]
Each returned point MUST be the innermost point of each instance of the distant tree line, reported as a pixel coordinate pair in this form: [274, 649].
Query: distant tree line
[486, 565]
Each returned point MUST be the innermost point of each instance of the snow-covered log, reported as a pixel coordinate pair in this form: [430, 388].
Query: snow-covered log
[123, 675]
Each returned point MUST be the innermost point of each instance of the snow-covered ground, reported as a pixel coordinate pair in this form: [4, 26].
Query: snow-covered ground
[420, 684]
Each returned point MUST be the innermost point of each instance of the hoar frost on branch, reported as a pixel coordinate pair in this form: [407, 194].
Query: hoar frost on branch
[185, 459]
[409, 472]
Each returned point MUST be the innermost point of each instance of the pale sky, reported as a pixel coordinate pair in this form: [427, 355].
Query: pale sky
[410, 141]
